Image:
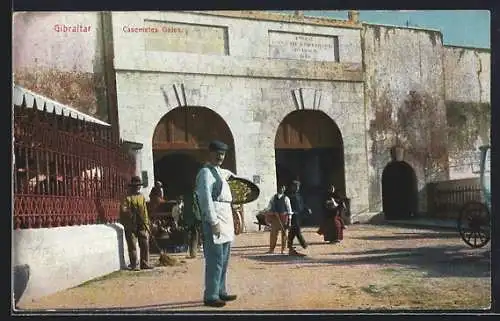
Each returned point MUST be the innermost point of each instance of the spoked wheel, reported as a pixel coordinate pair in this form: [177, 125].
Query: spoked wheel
[474, 224]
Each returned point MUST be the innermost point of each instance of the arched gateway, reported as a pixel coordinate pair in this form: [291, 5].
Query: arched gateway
[309, 147]
[180, 143]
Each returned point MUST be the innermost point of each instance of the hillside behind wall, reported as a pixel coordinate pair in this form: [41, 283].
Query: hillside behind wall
[404, 99]
[65, 66]
[467, 92]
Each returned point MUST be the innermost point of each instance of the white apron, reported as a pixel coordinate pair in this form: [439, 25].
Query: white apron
[223, 210]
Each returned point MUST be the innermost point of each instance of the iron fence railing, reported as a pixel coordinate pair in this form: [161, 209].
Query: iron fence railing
[66, 171]
[446, 202]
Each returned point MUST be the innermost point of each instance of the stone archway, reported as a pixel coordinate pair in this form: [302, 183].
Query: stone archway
[399, 191]
[180, 142]
[309, 147]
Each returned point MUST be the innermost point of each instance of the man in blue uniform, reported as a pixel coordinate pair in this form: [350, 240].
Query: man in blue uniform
[214, 197]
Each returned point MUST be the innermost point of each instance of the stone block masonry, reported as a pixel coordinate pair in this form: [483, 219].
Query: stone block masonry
[248, 86]
[139, 115]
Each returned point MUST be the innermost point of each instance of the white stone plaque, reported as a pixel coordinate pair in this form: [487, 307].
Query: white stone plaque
[184, 37]
[287, 45]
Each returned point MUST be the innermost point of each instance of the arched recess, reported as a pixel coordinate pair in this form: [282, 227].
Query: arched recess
[399, 191]
[180, 143]
[309, 147]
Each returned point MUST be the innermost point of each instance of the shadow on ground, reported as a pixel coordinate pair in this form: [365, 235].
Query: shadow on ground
[156, 307]
[413, 236]
[21, 278]
[435, 261]
[248, 247]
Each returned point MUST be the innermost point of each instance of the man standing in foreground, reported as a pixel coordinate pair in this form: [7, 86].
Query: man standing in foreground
[214, 197]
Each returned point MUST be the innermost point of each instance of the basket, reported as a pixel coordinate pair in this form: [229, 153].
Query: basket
[243, 190]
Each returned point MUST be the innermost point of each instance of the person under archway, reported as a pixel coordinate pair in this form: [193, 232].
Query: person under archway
[332, 227]
[156, 196]
[300, 210]
[278, 214]
[177, 210]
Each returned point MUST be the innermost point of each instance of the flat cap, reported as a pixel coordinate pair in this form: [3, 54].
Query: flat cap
[217, 145]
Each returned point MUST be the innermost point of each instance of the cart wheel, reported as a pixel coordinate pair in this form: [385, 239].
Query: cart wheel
[474, 224]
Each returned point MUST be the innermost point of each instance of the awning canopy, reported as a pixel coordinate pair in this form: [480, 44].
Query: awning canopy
[18, 93]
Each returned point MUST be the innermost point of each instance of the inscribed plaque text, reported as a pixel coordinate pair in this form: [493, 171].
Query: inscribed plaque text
[286, 45]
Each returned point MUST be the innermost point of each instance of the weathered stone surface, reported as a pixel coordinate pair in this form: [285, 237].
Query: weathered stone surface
[404, 97]
[469, 125]
[251, 91]
[59, 55]
[255, 140]
[183, 37]
[468, 74]
[467, 94]
[246, 38]
[271, 16]
[287, 45]
[82, 91]
[174, 62]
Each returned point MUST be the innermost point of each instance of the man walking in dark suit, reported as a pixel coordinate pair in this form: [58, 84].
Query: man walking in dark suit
[299, 211]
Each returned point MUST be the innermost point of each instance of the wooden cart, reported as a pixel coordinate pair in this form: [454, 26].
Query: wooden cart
[474, 222]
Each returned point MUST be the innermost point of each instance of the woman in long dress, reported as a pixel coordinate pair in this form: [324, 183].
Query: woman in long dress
[333, 224]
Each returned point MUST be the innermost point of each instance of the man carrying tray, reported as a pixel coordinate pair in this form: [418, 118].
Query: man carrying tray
[214, 197]
[278, 215]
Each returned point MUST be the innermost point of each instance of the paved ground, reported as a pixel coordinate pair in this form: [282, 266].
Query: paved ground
[376, 267]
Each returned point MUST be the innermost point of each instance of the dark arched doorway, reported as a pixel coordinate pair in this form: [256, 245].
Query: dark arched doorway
[399, 191]
[180, 144]
[309, 147]
[177, 170]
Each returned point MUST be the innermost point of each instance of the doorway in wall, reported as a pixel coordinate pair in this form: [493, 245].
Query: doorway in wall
[180, 143]
[309, 147]
[399, 191]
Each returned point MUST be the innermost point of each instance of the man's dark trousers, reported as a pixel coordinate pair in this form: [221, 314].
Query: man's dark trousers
[296, 232]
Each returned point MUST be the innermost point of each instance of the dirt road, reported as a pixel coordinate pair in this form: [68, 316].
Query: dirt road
[376, 267]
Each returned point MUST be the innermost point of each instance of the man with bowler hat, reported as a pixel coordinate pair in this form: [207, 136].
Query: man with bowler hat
[134, 217]
[214, 197]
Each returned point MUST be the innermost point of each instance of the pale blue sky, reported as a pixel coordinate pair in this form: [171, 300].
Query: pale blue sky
[470, 28]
